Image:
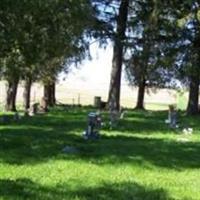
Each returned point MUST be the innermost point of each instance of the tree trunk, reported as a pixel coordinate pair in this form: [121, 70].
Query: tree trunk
[115, 82]
[49, 94]
[192, 108]
[11, 94]
[27, 93]
[141, 93]
[53, 94]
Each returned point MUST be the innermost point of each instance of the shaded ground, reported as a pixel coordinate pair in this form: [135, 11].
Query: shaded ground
[140, 138]
[26, 189]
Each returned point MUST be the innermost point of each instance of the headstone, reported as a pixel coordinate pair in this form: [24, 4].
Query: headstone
[33, 109]
[172, 116]
[93, 126]
[97, 102]
[69, 150]
[16, 116]
[43, 105]
[4, 119]
[122, 113]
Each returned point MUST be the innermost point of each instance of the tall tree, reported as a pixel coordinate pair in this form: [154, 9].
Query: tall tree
[40, 31]
[27, 93]
[119, 37]
[10, 70]
[193, 103]
[145, 47]
[188, 47]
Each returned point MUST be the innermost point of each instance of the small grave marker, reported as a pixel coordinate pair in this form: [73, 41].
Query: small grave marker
[172, 117]
[94, 124]
[69, 150]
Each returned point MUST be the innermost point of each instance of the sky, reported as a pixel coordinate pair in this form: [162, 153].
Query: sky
[95, 73]
[92, 78]
[92, 73]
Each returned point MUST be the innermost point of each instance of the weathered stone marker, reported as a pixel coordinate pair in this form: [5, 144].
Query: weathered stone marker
[93, 126]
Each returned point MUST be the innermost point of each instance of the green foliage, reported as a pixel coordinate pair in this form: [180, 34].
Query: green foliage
[150, 30]
[186, 46]
[45, 34]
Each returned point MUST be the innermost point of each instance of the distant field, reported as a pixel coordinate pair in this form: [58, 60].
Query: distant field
[80, 94]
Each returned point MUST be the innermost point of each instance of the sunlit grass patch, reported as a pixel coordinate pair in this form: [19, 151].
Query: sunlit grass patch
[141, 158]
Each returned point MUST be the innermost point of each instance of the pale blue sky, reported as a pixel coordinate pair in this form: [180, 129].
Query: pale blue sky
[92, 78]
[93, 73]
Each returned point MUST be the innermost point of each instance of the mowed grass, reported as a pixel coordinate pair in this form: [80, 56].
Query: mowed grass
[141, 159]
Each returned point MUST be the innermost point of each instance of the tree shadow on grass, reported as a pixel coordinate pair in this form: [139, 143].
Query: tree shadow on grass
[141, 127]
[64, 122]
[152, 122]
[136, 122]
[27, 189]
[30, 146]
[42, 138]
[144, 122]
[140, 151]
[33, 145]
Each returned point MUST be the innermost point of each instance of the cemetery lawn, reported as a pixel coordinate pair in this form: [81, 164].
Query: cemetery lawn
[141, 159]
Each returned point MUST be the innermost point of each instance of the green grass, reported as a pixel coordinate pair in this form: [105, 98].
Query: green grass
[141, 159]
[156, 106]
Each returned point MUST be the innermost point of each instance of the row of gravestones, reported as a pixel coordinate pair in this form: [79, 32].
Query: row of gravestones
[38, 107]
[115, 115]
[6, 118]
[34, 109]
[94, 123]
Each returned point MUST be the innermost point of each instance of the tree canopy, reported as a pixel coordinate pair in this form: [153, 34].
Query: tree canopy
[157, 41]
